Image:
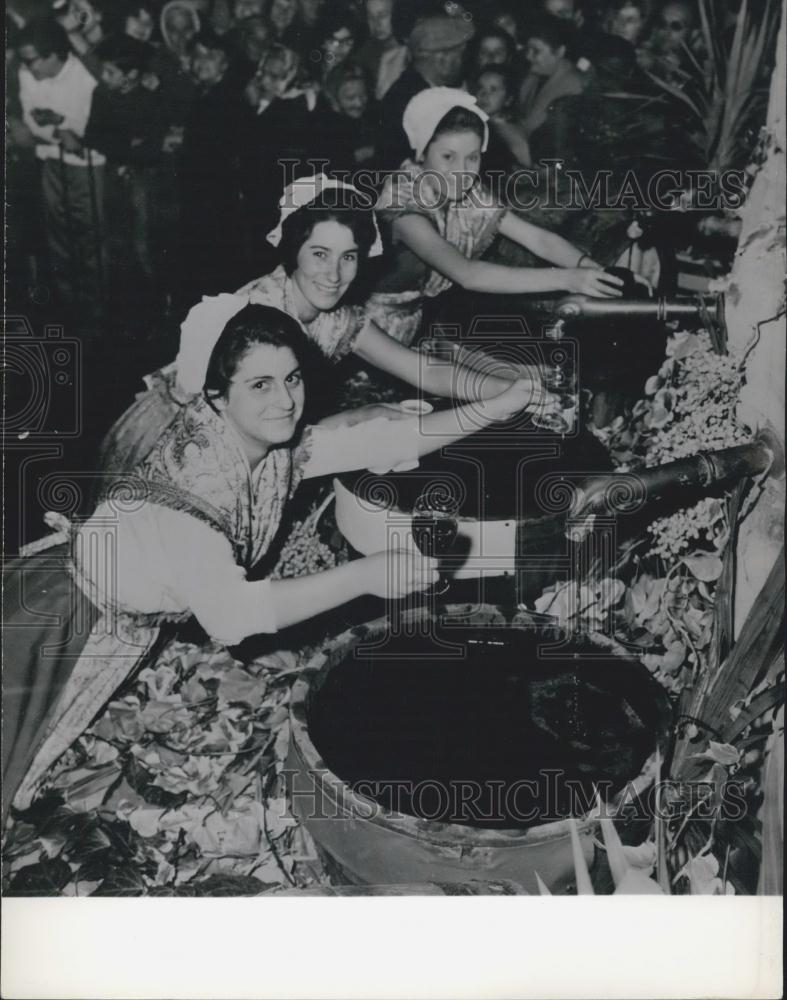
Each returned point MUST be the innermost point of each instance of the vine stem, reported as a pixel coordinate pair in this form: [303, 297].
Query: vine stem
[271, 844]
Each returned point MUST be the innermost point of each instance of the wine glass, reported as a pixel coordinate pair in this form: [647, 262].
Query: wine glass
[435, 528]
[558, 378]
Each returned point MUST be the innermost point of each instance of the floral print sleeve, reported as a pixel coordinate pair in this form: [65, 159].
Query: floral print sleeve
[470, 225]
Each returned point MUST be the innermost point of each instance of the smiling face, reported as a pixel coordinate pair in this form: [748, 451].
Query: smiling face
[352, 98]
[491, 93]
[543, 59]
[326, 266]
[265, 399]
[456, 158]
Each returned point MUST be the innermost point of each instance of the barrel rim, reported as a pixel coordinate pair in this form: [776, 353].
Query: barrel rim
[355, 804]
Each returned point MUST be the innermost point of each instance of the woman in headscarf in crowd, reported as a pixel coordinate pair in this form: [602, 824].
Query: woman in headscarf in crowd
[85, 608]
[323, 239]
[179, 23]
[439, 220]
[552, 71]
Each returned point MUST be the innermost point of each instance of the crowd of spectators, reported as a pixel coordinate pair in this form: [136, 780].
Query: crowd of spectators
[146, 141]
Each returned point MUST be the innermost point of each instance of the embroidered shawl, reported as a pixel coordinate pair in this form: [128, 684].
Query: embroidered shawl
[198, 467]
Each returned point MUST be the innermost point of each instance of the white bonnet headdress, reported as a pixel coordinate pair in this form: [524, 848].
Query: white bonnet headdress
[426, 110]
[199, 334]
[305, 190]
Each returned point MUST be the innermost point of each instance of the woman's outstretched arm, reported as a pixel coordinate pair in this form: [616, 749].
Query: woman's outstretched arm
[392, 574]
[496, 279]
[428, 375]
[381, 445]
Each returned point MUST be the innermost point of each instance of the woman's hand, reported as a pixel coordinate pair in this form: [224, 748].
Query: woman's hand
[349, 418]
[593, 281]
[396, 573]
[527, 393]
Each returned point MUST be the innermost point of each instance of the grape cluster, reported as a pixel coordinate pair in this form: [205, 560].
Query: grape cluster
[304, 552]
[704, 388]
[686, 528]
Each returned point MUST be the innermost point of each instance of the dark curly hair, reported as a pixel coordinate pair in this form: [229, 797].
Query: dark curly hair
[474, 48]
[506, 74]
[554, 32]
[337, 205]
[458, 119]
[258, 324]
[46, 36]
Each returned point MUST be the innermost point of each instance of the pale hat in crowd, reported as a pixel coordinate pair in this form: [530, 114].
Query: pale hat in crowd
[435, 34]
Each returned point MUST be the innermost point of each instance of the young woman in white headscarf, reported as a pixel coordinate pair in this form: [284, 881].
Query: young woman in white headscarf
[438, 219]
[179, 536]
[325, 236]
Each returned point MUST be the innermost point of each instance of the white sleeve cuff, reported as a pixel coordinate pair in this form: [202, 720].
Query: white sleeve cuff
[379, 445]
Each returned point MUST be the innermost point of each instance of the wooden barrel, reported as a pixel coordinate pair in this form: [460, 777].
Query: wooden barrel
[374, 843]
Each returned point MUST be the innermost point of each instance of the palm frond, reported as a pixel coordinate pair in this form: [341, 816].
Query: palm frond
[720, 88]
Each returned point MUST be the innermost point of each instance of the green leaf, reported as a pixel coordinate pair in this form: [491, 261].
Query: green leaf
[46, 878]
[704, 566]
[720, 753]
[95, 868]
[94, 841]
[237, 685]
[122, 881]
[21, 837]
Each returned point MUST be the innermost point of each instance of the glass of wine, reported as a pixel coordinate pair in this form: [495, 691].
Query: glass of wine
[559, 379]
[435, 528]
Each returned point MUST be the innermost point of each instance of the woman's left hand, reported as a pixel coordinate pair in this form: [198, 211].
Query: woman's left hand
[349, 418]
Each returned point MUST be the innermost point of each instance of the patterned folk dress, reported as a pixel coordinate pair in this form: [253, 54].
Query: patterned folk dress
[171, 541]
[469, 226]
[134, 434]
